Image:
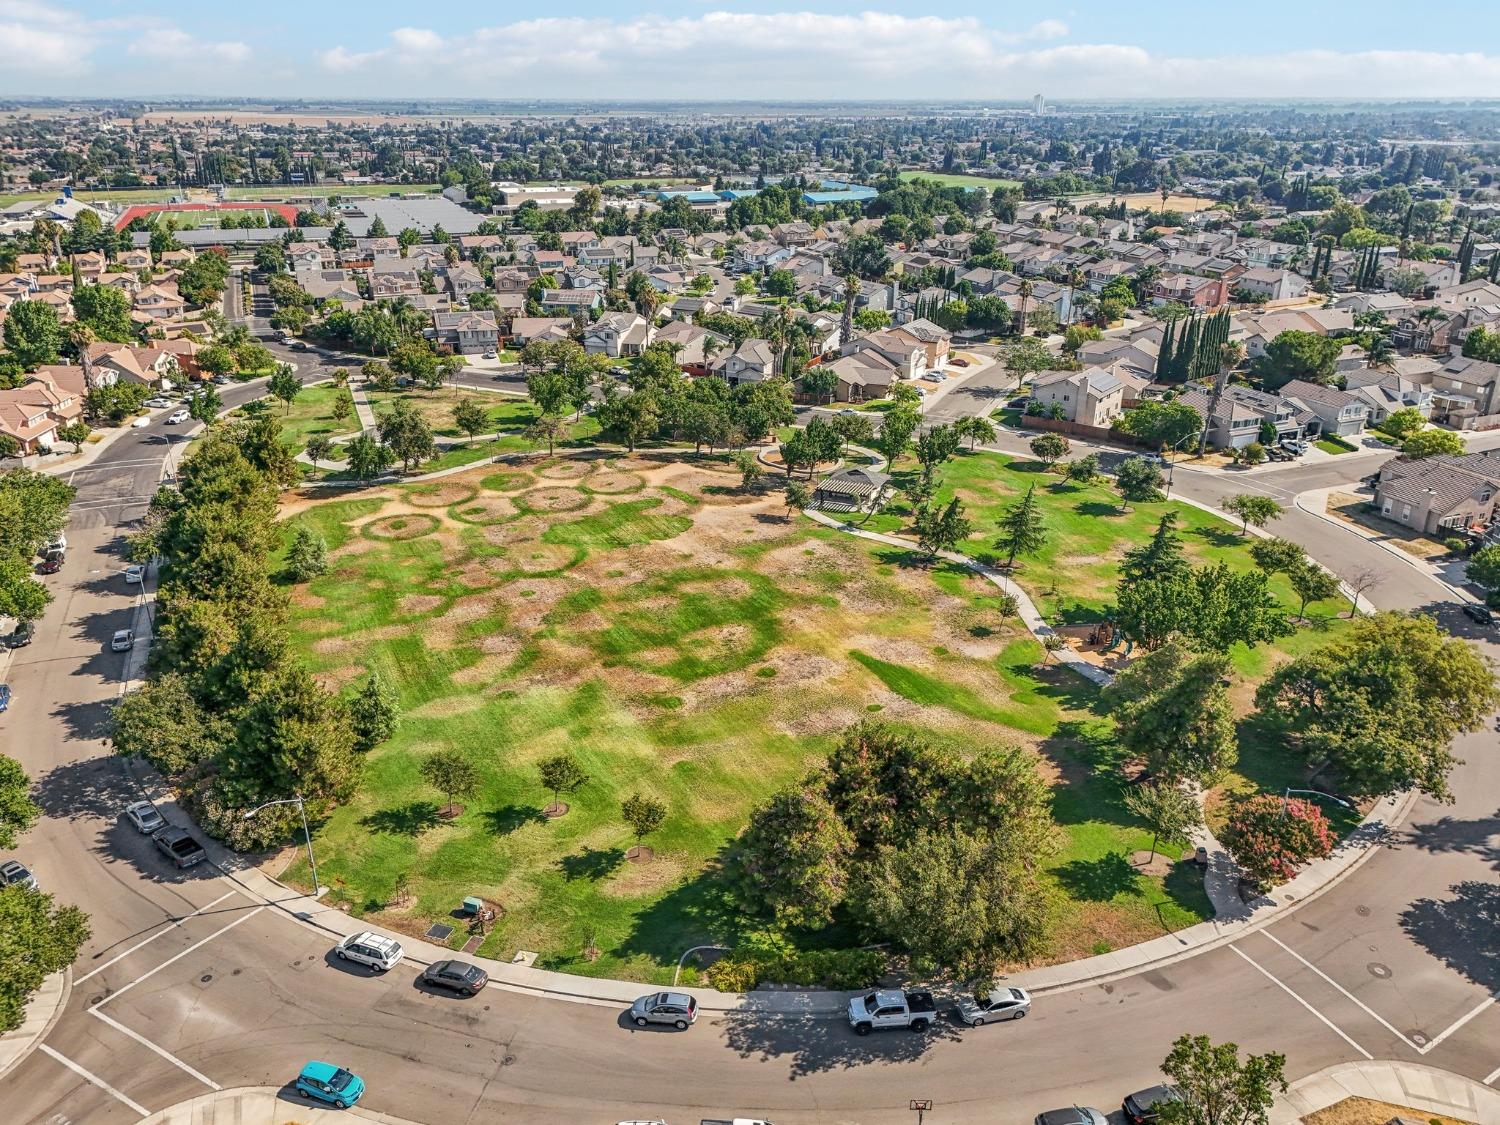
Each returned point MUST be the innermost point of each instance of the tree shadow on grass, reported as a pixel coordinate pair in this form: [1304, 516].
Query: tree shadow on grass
[1098, 880]
[1097, 508]
[913, 559]
[699, 911]
[508, 818]
[404, 820]
[591, 863]
[1460, 931]
[1218, 536]
[1184, 884]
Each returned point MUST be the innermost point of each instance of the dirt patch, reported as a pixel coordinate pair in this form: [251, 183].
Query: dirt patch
[338, 678]
[572, 468]
[303, 599]
[552, 500]
[441, 494]
[346, 641]
[635, 879]
[485, 510]
[1364, 1111]
[613, 482]
[448, 706]
[1350, 508]
[415, 604]
[535, 557]
[401, 526]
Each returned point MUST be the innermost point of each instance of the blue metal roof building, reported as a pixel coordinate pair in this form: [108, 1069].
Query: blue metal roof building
[732, 194]
[837, 191]
[690, 196]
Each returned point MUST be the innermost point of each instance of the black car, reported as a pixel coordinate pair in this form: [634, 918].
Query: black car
[23, 634]
[1479, 614]
[178, 846]
[1143, 1106]
[459, 976]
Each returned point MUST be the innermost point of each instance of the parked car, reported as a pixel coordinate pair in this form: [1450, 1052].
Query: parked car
[14, 873]
[933, 376]
[53, 562]
[1293, 446]
[141, 423]
[4, 697]
[958, 363]
[848, 412]
[145, 817]
[325, 1082]
[1479, 614]
[1073, 1115]
[22, 634]
[890, 1008]
[677, 1009]
[179, 846]
[1274, 454]
[135, 575]
[177, 416]
[1144, 1106]
[993, 1006]
[219, 380]
[122, 641]
[370, 949]
[491, 355]
[155, 402]
[58, 544]
[459, 976]
[298, 345]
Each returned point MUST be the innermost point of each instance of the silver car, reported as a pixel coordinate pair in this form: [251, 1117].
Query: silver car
[122, 641]
[145, 817]
[993, 1006]
[14, 873]
[676, 1009]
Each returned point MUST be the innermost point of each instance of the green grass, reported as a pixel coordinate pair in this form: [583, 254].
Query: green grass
[954, 179]
[310, 415]
[705, 665]
[1332, 445]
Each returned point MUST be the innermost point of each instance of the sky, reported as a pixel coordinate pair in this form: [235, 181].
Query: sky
[742, 49]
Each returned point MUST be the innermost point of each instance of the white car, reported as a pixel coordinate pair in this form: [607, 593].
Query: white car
[135, 575]
[933, 376]
[122, 641]
[177, 416]
[141, 423]
[491, 355]
[156, 402]
[378, 952]
[144, 816]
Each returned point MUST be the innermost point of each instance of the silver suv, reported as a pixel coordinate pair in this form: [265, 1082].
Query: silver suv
[378, 952]
[676, 1009]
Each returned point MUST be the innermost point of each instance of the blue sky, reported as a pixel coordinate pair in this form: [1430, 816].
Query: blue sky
[749, 49]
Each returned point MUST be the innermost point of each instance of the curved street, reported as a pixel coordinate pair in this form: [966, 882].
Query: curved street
[190, 983]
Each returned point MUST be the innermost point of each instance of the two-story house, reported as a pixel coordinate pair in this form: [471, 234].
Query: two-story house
[1091, 397]
[467, 333]
[752, 362]
[1340, 412]
[617, 334]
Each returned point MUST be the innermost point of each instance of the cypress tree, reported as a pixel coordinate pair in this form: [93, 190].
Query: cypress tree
[1406, 221]
[1188, 357]
[1164, 357]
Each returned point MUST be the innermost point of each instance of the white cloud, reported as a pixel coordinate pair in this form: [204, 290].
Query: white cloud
[173, 45]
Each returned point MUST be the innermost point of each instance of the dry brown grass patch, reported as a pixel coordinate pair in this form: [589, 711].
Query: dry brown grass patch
[1365, 1111]
[442, 493]
[553, 500]
[570, 468]
[413, 605]
[486, 510]
[401, 525]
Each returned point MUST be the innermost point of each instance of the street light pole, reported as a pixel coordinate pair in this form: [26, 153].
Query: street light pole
[306, 833]
[1286, 796]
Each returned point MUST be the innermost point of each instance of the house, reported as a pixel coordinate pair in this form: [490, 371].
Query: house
[571, 300]
[394, 283]
[328, 285]
[1385, 392]
[467, 333]
[1437, 495]
[159, 302]
[1463, 391]
[105, 363]
[1272, 284]
[907, 354]
[1091, 397]
[850, 490]
[1340, 412]
[863, 376]
[1241, 413]
[617, 334]
[512, 280]
[696, 346]
[685, 308]
[752, 257]
[582, 277]
[32, 412]
[752, 362]
[377, 249]
[524, 329]
[309, 256]
[132, 259]
[1188, 289]
[1257, 330]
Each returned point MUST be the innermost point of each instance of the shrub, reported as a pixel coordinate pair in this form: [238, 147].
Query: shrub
[842, 970]
[1454, 544]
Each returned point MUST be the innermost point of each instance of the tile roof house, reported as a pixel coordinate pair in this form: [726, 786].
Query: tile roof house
[1237, 420]
[1440, 494]
[1464, 390]
[617, 334]
[32, 412]
[571, 300]
[863, 376]
[159, 302]
[696, 345]
[1091, 397]
[1340, 412]
[1385, 392]
[524, 329]
[752, 362]
[467, 333]
[105, 363]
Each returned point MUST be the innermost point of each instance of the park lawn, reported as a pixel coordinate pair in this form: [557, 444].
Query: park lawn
[505, 413]
[682, 639]
[310, 415]
[955, 179]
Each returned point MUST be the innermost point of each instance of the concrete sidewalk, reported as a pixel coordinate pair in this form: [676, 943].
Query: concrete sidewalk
[42, 1010]
[262, 1105]
[1424, 1089]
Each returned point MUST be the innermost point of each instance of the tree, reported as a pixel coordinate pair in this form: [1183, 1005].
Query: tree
[792, 860]
[18, 811]
[959, 901]
[1311, 583]
[1381, 704]
[37, 939]
[644, 815]
[1404, 423]
[549, 428]
[1217, 1088]
[1269, 834]
[340, 238]
[1138, 481]
[561, 775]
[1277, 555]
[1026, 357]
[1433, 443]
[1297, 355]
[1161, 424]
[1161, 557]
[407, 435]
[105, 309]
[285, 384]
[942, 528]
[975, 429]
[453, 774]
[372, 713]
[1483, 569]
[307, 557]
[1172, 711]
[317, 449]
[1085, 470]
[204, 404]
[165, 724]
[1169, 810]
[470, 417]
[935, 445]
[798, 498]
[75, 432]
[1049, 449]
[216, 359]
[1022, 529]
[342, 405]
[749, 468]
[368, 457]
[33, 333]
[1252, 508]
[896, 431]
[295, 737]
[858, 429]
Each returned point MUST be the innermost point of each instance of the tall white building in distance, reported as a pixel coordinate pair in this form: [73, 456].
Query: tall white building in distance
[1038, 104]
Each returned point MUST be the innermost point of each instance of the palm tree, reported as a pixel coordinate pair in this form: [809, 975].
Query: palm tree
[1075, 279]
[1024, 291]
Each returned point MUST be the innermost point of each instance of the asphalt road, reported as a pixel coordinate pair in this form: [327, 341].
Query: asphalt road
[187, 984]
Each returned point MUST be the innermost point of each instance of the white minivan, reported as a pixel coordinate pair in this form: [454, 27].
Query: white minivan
[378, 952]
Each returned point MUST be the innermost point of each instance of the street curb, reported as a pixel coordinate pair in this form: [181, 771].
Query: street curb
[263, 1105]
[1415, 1086]
[49, 994]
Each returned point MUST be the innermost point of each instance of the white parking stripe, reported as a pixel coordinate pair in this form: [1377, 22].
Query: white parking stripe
[1458, 1023]
[172, 960]
[1494, 1074]
[89, 1076]
[1321, 1017]
[153, 937]
[150, 1046]
[1376, 1016]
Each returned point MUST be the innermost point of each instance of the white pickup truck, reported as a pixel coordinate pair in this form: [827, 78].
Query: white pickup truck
[888, 1008]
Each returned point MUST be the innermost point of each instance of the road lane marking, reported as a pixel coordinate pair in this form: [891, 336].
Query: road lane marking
[1321, 1017]
[1458, 1023]
[1494, 1074]
[150, 1046]
[1376, 1016]
[89, 1076]
[153, 937]
[173, 960]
